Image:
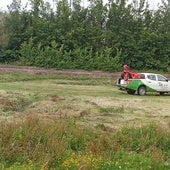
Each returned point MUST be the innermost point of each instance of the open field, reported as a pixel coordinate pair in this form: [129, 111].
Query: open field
[80, 121]
[94, 101]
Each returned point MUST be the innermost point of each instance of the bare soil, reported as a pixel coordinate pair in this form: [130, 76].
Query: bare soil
[40, 70]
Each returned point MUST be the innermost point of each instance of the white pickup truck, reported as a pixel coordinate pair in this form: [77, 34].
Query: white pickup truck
[147, 82]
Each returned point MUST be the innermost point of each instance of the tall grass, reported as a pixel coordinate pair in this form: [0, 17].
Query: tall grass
[40, 144]
[33, 140]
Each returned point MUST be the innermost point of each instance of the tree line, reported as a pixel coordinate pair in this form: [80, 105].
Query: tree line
[100, 36]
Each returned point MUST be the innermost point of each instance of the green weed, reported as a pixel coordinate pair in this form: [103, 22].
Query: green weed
[119, 109]
[64, 144]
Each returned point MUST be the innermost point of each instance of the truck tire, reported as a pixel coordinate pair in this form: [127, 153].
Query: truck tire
[142, 90]
[161, 93]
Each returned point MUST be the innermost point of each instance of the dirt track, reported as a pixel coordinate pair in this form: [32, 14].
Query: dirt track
[39, 70]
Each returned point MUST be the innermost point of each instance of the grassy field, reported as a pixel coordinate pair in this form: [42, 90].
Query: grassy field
[60, 121]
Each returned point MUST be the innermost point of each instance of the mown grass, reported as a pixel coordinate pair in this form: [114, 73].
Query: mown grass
[61, 78]
[80, 122]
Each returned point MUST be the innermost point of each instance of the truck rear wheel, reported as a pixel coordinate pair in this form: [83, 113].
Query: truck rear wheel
[142, 90]
[161, 93]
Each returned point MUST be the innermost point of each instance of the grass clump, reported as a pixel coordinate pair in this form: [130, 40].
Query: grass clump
[62, 144]
[17, 105]
[119, 109]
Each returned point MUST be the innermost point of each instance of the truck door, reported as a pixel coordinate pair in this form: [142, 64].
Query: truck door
[152, 82]
[163, 83]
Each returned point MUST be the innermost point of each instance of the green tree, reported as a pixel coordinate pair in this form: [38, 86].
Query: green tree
[4, 35]
[95, 37]
[96, 20]
[78, 34]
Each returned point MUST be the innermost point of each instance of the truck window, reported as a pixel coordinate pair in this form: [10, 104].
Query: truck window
[151, 77]
[161, 78]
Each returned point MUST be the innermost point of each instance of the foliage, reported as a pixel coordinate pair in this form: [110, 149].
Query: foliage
[98, 37]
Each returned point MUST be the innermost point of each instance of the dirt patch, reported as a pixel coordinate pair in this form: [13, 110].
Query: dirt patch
[39, 70]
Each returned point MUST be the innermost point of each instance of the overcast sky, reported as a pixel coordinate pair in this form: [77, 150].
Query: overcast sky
[4, 3]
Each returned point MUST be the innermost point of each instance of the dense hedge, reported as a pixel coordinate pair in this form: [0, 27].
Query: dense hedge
[100, 36]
